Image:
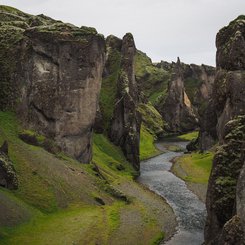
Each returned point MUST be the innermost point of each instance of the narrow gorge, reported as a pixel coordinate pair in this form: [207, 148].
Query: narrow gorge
[101, 145]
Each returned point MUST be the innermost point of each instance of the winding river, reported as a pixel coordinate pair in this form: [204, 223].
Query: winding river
[189, 210]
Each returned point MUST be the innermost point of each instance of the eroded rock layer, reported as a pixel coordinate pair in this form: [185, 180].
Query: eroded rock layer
[228, 96]
[51, 73]
[226, 123]
[125, 126]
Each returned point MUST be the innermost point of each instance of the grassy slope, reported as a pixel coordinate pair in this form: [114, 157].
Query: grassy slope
[189, 136]
[194, 168]
[197, 166]
[154, 80]
[147, 147]
[55, 202]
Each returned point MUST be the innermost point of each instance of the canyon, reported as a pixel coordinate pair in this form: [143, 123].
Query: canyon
[78, 113]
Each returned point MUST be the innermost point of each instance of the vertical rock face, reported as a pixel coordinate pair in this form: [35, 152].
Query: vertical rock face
[225, 195]
[228, 97]
[8, 177]
[221, 195]
[58, 72]
[64, 76]
[174, 87]
[125, 126]
[240, 197]
[177, 109]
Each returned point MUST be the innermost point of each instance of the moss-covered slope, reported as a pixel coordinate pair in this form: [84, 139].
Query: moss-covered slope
[89, 203]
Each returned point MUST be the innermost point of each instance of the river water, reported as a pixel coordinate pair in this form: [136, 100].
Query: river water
[189, 210]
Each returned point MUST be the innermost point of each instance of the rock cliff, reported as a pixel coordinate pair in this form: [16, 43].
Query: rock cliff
[228, 97]
[222, 207]
[177, 109]
[188, 96]
[224, 121]
[51, 74]
[125, 125]
[8, 177]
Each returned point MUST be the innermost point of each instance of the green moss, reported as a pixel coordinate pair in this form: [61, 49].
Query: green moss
[10, 37]
[225, 181]
[147, 148]
[11, 10]
[40, 138]
[57, 191]
[189, 136]
[158, 239]
[153, 80]
[151, 118]
[197, 166]
[109, 158]
[88, 30]
[78, 224]
[109, 87]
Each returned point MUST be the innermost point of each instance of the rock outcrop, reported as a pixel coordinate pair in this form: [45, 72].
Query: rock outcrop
[228, 96]
[177, 109]
[226, 123]
[125, 126]
[157, 84]
[8, 177]
[221, 195]
[51, 72]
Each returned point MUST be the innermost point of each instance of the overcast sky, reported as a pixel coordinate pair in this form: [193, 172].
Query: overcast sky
[164, 29]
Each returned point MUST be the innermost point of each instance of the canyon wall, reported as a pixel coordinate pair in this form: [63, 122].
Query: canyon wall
[224, 120]
[119, 97]
[51, 75]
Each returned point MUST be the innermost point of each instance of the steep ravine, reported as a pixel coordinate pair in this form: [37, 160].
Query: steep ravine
[189, 210]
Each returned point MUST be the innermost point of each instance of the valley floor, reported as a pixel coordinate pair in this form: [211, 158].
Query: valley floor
[61, 201]
[194, 168]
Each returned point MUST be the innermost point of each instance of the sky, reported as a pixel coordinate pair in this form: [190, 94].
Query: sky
[163, 29]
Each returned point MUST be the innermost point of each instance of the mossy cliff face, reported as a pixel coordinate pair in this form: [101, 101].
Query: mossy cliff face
[230, 44]
[221, 196]
[228, 96]
[8, 177]
[125, 125]
[157, 84]
[224, 121]
[51, 72]
[177, 109]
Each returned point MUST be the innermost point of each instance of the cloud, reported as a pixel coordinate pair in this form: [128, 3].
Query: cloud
[164, 29]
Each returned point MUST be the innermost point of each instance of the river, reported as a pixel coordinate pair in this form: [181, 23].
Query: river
[189, 210]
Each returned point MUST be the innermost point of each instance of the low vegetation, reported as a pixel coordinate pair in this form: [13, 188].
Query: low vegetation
[189, 136]
[90, 203]
[197, 166]
[147, 147]
[151, 118]
[153, 80]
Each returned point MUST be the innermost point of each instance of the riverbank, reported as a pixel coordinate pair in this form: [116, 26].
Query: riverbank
[156, 175]
[97, 203]
[194, 168]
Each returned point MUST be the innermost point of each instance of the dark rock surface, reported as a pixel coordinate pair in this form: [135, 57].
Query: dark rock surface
[177, 109]
[8, 177]
[189, 95]
[125, 126]
[51, 72]
[228, 96]
[221, 195]
[232, 232]
[224, 120]
[230, 42]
